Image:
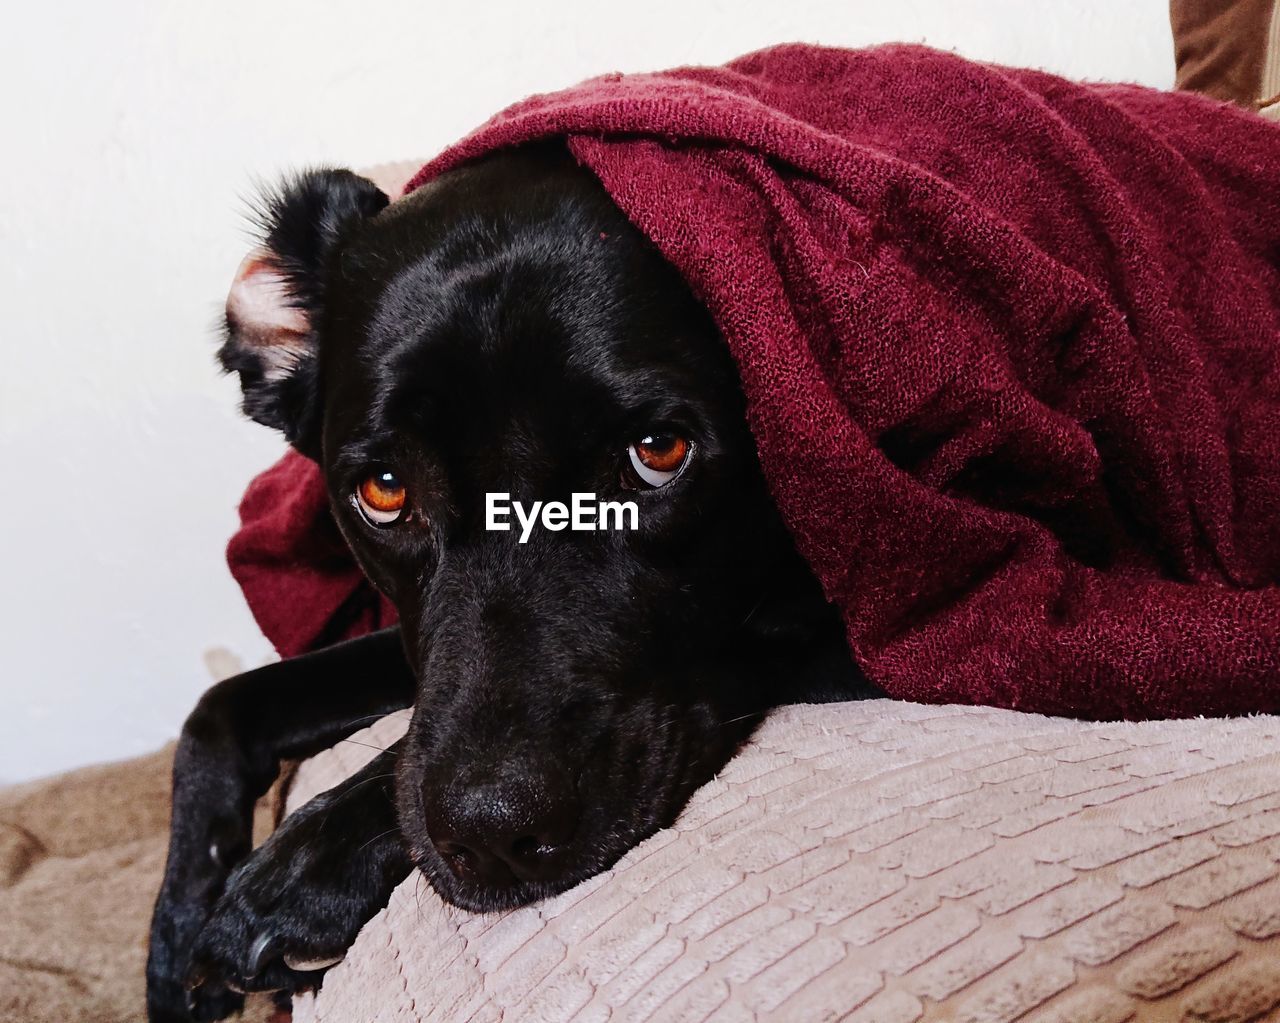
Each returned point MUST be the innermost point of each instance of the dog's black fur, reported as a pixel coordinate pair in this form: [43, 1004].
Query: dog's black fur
[501, 329]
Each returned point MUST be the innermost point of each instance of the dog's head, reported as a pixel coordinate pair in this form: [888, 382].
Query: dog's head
[505, 330]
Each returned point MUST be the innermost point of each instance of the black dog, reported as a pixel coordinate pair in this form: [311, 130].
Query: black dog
[504, 329]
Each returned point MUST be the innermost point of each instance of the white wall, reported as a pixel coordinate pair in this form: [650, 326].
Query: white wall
[132, 131]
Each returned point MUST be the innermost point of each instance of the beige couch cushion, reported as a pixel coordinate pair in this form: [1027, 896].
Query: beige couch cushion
[885, 862]
[81, 856]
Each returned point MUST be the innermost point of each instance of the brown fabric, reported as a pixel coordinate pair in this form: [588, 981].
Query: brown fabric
[1220, 48]
[80, 861]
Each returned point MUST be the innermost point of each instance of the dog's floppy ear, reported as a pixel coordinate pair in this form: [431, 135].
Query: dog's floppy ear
[277, 298]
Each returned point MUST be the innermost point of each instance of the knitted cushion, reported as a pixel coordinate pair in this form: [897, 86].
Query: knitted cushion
[885, 862]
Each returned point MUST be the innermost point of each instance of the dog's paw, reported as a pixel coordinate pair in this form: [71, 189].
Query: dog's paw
[293, 908]
[173, 1003]
[175, 926]
[169, 1000]
[278, 926]
[210, 1004]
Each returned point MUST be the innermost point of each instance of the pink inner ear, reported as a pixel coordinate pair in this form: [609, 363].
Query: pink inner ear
[259, 308]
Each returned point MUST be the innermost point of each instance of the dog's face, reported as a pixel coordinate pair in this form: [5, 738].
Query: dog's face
[505, 330]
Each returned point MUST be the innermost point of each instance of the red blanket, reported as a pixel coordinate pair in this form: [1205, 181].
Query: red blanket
[1011, 348]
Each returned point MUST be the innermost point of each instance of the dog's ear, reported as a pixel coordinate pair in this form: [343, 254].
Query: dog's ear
[277, 299]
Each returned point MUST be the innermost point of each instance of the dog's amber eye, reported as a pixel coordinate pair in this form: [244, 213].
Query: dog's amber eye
[381, 498]
[658, 458]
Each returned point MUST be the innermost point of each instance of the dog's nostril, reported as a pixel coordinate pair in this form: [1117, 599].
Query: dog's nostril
[503, 831]
[461, 860]
[529, 848]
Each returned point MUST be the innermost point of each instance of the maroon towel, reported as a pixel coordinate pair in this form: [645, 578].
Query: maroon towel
[296, 571]
[1011, 349]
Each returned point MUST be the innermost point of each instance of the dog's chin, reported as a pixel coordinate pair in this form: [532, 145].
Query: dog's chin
[488, 898]
[477, 897]
[603, 844]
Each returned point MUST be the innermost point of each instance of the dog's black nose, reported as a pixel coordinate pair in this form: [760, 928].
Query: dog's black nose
[494, 832]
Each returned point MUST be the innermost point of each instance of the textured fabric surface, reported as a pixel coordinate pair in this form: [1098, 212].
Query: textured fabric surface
[297, 573]
[883, 862]
[81, 856]
[1011, 351]
[1221, 47]
[80, 862]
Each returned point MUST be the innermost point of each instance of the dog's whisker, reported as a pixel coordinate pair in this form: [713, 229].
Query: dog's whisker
[366, 719]
[743, 717]
[751, 614]
[369, 745]
[365, 781]
[417, 894]
[375, 838]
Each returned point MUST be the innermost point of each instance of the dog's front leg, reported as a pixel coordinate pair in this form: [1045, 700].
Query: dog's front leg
[227, 757]
[291, 910]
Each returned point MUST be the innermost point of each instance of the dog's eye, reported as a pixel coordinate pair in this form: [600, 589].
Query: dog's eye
[381, 498]
[658, 458]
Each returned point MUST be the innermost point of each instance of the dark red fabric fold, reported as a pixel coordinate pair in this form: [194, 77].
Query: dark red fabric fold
[297, 573]
[1011, 350]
